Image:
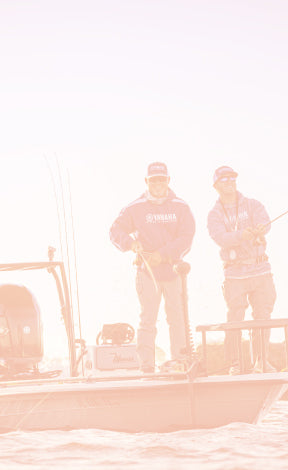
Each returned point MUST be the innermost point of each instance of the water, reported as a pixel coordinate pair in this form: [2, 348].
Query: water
[236, 446]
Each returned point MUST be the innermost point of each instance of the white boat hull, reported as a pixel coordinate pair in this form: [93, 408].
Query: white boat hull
[138, 405]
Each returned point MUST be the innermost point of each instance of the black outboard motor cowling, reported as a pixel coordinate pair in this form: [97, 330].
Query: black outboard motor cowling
[21, 339]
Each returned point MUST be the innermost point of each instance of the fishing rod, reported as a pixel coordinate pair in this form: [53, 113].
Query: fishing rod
[65, 228]
[148, 267]
[76, 272]
[81, 341]
[57, 204]
[68, 295]
[269, 223]
[276, 218]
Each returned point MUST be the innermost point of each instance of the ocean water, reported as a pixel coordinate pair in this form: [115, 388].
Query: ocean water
[236, 446]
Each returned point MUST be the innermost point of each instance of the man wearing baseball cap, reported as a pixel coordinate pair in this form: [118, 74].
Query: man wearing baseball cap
[159, 227]
[239, 226]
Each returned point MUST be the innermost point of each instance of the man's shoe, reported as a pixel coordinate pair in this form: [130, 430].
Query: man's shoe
[270, 368]
[235, 369]
[258, 367]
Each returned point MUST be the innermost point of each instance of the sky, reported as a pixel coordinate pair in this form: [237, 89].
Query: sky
[92, 92]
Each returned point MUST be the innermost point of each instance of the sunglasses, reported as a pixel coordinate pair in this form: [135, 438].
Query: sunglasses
[224, 179]
[157, 179]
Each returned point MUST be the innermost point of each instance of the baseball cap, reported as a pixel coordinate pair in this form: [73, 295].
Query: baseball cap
[223, 171]
[157, 169]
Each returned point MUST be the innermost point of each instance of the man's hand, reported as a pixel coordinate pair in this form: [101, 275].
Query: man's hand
[261, 230]
[154, 259]
[136, 246]
[260, 235]
[248, 234]
[256, 235]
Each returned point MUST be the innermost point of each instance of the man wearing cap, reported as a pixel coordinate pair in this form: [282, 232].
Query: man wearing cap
[159, 227]
[239, 225]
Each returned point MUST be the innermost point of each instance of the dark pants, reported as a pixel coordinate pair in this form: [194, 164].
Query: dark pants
[259, 292]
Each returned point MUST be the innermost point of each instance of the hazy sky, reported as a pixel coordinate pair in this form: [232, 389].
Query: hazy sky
[109, 86]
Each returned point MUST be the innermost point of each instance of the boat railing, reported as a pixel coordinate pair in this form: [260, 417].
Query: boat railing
[256, 325]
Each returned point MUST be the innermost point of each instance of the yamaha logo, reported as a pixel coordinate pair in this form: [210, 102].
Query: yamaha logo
[149, 218]
[160, 218]
[159, 168]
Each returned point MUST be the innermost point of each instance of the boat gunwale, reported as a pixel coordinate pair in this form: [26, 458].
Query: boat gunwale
[84, 384]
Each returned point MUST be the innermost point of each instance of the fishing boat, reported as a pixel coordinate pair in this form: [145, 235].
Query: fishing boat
[117, 400]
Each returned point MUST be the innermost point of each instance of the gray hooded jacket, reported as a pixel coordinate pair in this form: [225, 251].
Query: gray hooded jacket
[242, 258]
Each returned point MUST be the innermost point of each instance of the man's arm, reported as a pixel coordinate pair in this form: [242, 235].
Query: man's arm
[261, 223]
[225, 239]
[218, 231]
[121, 230]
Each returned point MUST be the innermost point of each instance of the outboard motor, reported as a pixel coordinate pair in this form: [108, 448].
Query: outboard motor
[21, 339]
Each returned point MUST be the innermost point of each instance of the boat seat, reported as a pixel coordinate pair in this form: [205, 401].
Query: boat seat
[260, 325]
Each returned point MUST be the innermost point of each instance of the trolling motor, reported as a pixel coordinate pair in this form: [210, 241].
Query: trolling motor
[190, 363]
[21, 339]
[183, 268]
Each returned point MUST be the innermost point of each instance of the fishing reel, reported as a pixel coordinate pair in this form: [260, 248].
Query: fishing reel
[116, 333]
[182, 268]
